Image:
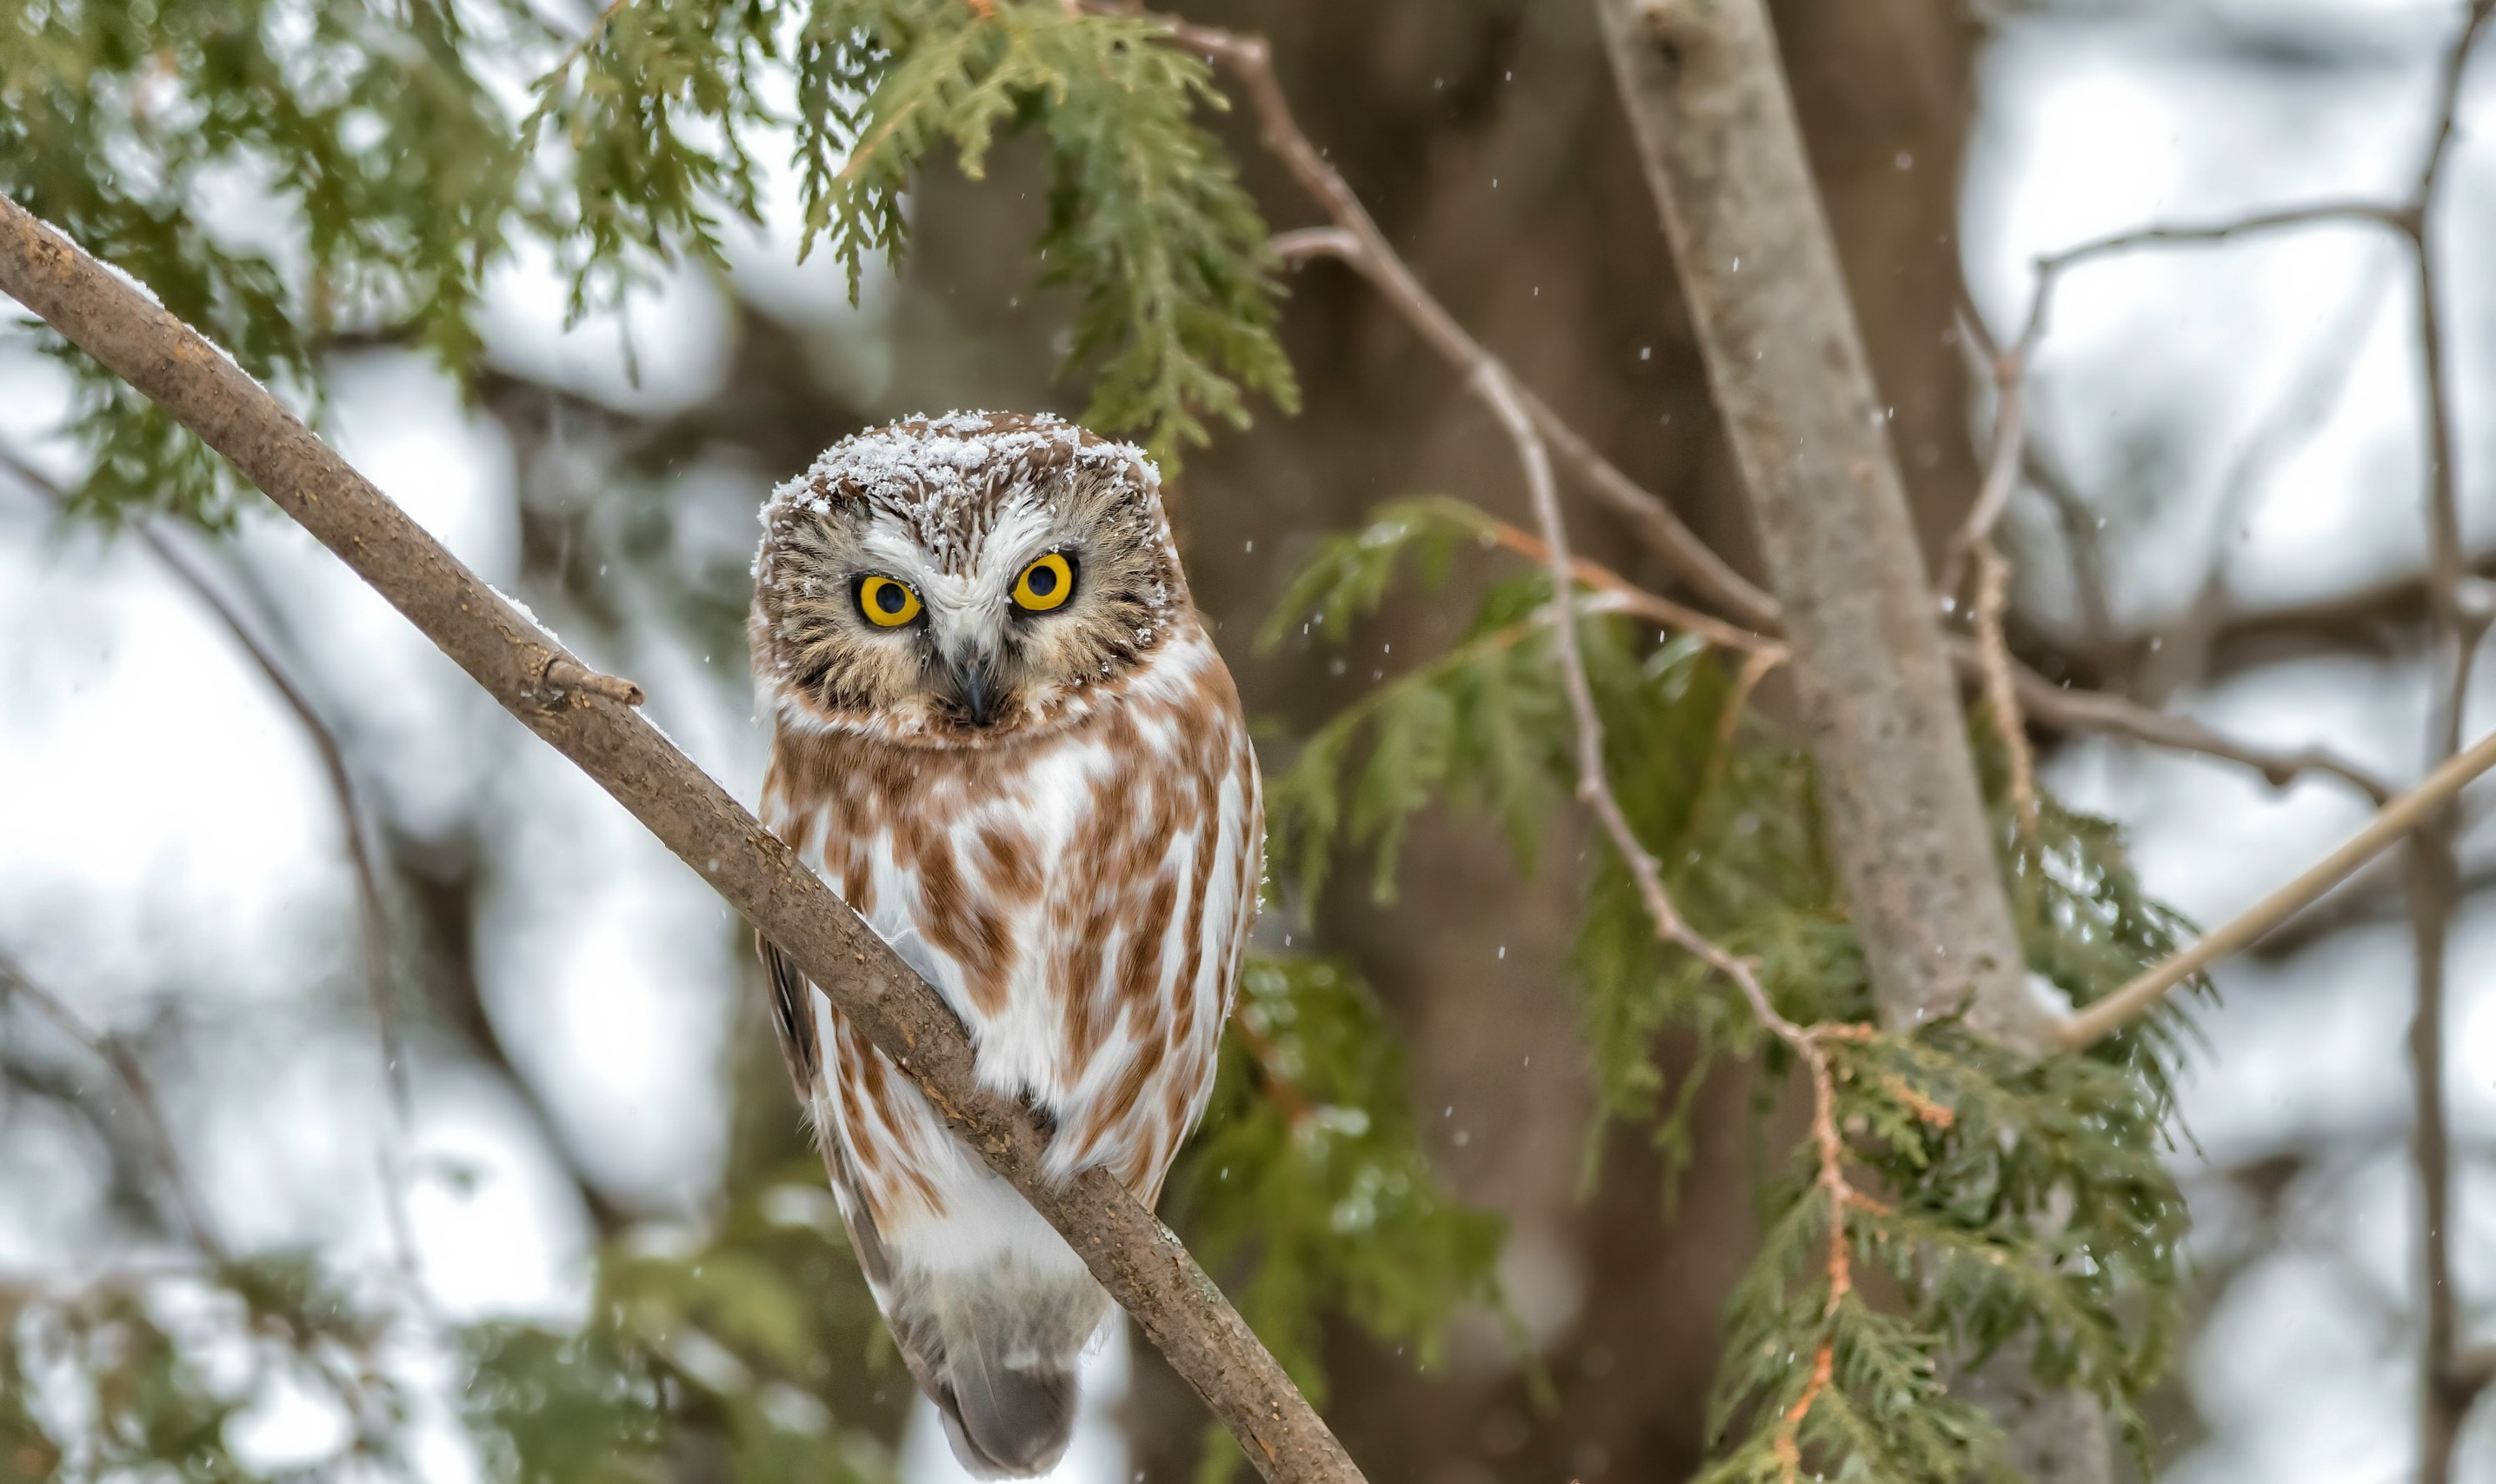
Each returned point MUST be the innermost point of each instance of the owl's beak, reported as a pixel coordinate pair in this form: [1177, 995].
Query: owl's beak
[974, 678]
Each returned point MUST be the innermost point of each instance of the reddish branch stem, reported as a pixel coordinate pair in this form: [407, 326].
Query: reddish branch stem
[1809, 1043]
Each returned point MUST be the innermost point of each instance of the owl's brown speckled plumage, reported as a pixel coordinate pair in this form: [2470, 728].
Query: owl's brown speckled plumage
[1027, 769]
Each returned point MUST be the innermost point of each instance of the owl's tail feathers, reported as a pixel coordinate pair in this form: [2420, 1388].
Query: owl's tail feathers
[1008, 1422]
[996, 1347]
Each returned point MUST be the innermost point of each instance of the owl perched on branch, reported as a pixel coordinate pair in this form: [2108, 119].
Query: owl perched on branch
[1002, 736]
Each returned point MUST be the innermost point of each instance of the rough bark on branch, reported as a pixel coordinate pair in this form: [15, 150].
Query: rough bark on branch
[1716, 130]
[590, 720]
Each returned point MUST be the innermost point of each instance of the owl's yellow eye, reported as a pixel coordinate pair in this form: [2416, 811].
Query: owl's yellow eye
[887, 604]
[1045, 584]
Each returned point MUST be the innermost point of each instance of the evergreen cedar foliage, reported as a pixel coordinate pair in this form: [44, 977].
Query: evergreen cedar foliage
[406, 147]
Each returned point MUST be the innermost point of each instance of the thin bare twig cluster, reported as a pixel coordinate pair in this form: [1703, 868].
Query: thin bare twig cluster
[1354, 238]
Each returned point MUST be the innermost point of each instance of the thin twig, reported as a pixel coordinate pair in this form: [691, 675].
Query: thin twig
[1493, 386]
[2009, 371]
[1629, 597]
[2434, 891]
[141, 1093]
[2397, 217]
[1593, 790]
[2099, 712]
[1975, 540]
[2395, 821]
[1355, 239]
[2001, 691]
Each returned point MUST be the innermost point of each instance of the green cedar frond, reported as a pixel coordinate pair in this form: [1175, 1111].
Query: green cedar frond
[2016, 1203]
[648, 117]
[741, 1334]
[384, 174]
[1349, 575]
[393, 179]
[1307, 1190]
[1175, 287]
[1476, 723]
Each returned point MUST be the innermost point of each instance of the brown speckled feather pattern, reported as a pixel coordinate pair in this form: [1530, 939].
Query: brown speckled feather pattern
[1081, 900]
[1047, 802]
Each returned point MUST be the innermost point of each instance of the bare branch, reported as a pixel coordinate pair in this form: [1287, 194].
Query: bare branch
[1136, 1257]
[2009, 371]
[134, 1083]
[2435, 871]
[1974, 539]
[2401, 218]
[2048, 705]
[2001, 690]
[2386, 829]
[1627, 597]
[2055, 708]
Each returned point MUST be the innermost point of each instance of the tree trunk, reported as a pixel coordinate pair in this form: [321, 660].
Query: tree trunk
[1708, 99]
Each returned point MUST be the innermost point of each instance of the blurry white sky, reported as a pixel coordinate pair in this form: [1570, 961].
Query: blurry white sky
[166, 843]
[2284, 367]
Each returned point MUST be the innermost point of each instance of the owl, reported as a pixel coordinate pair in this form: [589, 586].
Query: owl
[1002, 734]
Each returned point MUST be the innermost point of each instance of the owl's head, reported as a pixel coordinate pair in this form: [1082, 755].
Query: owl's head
[960, 581]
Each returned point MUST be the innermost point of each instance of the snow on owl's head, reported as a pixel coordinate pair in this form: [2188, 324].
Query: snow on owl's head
[963, 579]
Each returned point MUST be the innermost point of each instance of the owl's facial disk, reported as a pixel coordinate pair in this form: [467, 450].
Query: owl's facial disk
[970, 625]
[977, 648]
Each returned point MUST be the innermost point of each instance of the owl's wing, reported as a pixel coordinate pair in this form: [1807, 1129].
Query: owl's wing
[1011, 1412]
[792, 1018]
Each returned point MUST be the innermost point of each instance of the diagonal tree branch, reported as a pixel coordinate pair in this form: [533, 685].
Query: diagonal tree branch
[2394, 823]
[591, 721]
[140, 1090]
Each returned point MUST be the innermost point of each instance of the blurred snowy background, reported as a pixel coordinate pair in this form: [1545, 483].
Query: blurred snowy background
[2239, 422]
